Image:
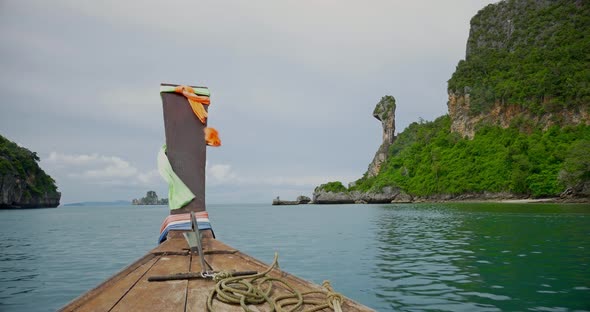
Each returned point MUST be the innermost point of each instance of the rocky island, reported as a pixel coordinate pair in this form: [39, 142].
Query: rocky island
[151, 198]
[518, 123]
[23, 184]
[301, 200]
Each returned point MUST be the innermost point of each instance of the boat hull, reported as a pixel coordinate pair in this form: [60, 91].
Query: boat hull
[130, 290]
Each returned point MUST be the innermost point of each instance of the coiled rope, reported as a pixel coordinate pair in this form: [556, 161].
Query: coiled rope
[258, 289]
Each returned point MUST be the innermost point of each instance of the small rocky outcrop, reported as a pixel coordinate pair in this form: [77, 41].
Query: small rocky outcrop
[386, 195]
[402, 198]
[23, 184]
[325, 197]
[384, 112]
[581, 191]
[151, 198]
[303, 200]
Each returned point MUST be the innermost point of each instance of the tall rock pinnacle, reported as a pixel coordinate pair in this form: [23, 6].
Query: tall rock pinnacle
[384, 112]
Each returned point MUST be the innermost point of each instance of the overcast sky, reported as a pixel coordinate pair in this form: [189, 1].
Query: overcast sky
[293, 84]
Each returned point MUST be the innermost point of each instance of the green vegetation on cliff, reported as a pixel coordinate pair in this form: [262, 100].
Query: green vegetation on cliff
[19, 164]
[335, 187]
[429, 159]
[531, 53]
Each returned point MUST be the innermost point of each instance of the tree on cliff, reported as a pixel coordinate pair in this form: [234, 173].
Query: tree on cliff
[575, 173]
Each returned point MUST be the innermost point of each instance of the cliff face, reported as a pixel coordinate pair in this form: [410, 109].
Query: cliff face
[384, 112]
[386, 195]
[23, 184]
[502, 26]
[526, 60]
[15, 193]
[466, 123]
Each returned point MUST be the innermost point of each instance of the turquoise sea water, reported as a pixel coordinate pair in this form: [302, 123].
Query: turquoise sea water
[424, 257]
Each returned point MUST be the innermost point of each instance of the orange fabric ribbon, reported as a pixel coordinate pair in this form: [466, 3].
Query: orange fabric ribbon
[212, 137]
[196, 101]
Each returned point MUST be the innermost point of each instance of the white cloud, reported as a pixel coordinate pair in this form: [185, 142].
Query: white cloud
[113, 170]
[99, 169]
[116, 175]
[61, 160]
[148, 177]
[220, 174]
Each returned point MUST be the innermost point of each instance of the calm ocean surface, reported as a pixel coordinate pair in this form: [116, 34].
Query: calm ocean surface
[423, 257]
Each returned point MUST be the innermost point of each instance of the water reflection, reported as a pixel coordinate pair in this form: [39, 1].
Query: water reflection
[415, 267]
[455, 257]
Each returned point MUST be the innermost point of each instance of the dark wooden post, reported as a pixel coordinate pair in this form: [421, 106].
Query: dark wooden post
[186, 148]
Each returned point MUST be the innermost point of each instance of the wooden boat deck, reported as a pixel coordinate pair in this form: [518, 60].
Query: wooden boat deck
[130, 290]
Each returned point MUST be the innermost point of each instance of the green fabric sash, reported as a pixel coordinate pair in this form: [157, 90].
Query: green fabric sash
[198, 91]
[179, 195]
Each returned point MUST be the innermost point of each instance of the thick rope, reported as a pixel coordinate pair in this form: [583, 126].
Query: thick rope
[257, 290]
[334, 299]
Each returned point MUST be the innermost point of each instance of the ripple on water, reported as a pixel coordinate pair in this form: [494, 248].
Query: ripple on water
[546, 291]
[486, 295]
[549, 309]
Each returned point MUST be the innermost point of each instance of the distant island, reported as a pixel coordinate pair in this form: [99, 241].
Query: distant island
[23, 184]
[151, 198]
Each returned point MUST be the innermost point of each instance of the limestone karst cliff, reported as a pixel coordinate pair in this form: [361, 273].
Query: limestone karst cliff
[525, 60]
[519, 117]
[385, 112]
[23, 184]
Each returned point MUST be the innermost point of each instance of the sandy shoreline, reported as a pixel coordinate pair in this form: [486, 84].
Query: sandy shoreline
[551, 200]
[554, 200]
[523, 201]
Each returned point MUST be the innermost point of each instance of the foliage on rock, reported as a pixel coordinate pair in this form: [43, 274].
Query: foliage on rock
[334, 187]
[530, 53]
[20, 166]
[429, 159]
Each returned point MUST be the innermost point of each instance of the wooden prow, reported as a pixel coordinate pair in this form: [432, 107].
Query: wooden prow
[186, 148]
